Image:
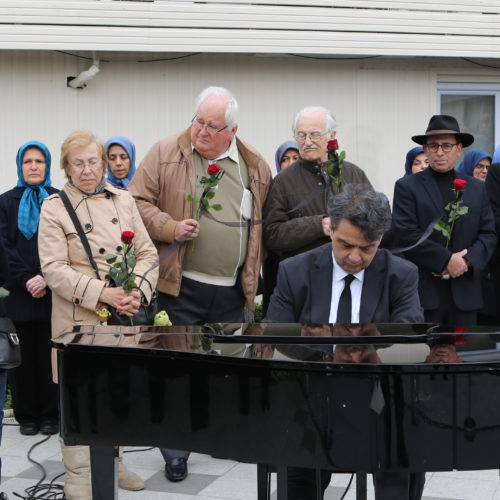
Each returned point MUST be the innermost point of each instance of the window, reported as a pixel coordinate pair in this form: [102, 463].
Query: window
[476, 107]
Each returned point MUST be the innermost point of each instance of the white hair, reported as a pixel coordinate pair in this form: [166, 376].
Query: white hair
[231, 114]
[331, 124]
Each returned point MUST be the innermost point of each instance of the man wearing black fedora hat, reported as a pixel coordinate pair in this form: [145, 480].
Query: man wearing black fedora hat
[449, 270]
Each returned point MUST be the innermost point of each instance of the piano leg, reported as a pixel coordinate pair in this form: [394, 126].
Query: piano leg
[282, 482]
[263, 482]
[104, 472]
[360, 485]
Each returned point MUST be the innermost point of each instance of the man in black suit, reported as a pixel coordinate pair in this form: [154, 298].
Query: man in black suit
[350, 280]
[449, 273]
[312, 287]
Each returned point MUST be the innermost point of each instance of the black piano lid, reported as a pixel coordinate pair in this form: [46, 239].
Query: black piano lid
[346, 347]
[283, 398]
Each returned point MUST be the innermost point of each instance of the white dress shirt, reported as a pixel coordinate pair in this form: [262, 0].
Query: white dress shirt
[338, 283]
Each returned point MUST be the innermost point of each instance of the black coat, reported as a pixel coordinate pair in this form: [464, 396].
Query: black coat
[417, 202]
[304, 290]
[23, 263]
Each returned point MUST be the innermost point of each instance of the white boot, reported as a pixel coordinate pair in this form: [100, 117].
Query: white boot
[76, 461]
[128, 480]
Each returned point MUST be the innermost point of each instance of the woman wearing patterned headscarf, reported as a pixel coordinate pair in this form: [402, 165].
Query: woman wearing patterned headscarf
[34, 395]
[121, 161]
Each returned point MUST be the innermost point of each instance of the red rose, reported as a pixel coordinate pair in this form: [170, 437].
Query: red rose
[332, 145]
[127, 237]
[460, 329]
[460, 339]
[213, 169]
[459, 184]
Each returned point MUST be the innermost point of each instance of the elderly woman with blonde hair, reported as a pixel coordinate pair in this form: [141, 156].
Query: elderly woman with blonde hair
[104, 213]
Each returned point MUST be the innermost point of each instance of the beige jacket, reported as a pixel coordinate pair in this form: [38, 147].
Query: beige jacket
[169, 167]
[65, 265]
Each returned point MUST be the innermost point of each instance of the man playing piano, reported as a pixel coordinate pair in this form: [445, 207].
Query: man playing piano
[350, 281]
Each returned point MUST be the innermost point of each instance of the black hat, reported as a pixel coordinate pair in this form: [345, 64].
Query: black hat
[444, 125]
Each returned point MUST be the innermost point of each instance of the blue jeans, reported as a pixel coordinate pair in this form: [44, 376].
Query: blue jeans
[3, 390]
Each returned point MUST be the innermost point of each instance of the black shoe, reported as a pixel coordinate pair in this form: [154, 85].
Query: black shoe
[29, 428]
[49, 427]
[176, 469]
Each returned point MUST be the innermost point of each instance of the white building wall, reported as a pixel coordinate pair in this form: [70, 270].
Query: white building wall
[378, 104]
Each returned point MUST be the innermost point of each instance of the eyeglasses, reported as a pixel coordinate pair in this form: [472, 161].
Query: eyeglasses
[433, 147]
[302, 136]
[209, 128]
[482, 166]
[93, 164]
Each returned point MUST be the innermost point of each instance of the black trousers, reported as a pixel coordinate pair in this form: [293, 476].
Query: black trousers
[388, 485]
[199, 303]
[196, 304]
[448, 314]
[34, 395]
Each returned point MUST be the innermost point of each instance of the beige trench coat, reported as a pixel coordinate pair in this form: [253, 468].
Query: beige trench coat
[65, 265]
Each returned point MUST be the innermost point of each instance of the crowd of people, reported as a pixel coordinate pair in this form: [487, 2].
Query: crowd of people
[316, 240]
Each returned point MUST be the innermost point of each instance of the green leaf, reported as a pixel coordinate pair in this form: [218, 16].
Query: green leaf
[3, 292]
[113, 272]
[209, 195]
[217, 207]
[205, 203]
[110, 258]
[342, 157]
[192, 198]
[462, 210]
[132, 261]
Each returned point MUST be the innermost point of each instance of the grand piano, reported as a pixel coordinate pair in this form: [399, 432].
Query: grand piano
[345, 398]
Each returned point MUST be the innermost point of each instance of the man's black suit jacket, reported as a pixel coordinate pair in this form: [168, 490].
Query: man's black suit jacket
[304, 290]
[417, 202]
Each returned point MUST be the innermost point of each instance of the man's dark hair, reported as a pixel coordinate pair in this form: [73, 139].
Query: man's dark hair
[362, 207]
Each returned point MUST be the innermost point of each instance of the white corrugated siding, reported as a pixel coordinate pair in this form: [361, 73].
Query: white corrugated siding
[392, 28]
[378, 103]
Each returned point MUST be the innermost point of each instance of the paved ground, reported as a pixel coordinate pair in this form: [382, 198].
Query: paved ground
[209, 478]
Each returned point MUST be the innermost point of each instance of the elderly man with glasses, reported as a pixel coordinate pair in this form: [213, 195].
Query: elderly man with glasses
[212, 276]
[450, 265]
[294, 231]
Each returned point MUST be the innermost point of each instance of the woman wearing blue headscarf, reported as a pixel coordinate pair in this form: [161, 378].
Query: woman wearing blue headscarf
[34, 395]
[416, 161]
[476, 164]
[496, 155]
[121, 161]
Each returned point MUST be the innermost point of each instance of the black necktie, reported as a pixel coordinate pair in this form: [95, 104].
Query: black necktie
[345, 302]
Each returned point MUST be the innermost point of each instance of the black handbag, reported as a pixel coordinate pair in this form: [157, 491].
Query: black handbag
[147, 312]
[10, 349]
[145, 316]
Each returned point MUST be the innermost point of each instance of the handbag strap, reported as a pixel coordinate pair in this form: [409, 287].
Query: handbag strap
[79, 229]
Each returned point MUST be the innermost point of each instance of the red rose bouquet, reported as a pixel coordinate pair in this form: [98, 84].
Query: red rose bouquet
[215, 174]
[336, 160]
[455, 209]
